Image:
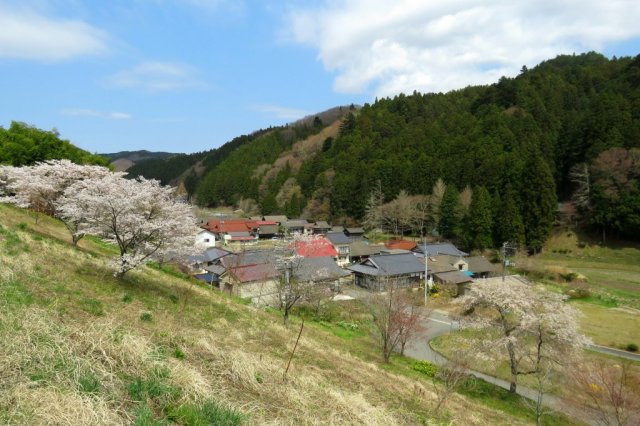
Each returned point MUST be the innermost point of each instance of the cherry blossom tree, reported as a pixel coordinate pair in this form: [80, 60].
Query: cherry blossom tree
[39, 187]
[140, 216]
[537, 329]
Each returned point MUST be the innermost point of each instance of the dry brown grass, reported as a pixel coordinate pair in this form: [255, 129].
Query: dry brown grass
[71, 349]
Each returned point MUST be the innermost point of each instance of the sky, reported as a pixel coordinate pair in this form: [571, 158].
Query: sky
[190, 75]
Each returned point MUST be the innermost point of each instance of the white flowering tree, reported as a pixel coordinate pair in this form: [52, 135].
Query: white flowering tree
[535, 328]
[140, 216]
[39, 187]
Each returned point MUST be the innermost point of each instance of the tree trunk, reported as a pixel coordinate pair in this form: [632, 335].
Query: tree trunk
[514, 368]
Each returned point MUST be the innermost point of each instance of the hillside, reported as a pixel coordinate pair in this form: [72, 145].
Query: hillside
[22, 144]
[80, 347]
[568, 112]
[123, 160]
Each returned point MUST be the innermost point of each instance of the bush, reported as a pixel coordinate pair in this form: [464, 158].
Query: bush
[632, 347]
[127, 298]
[427, 368]
[578, 290]
[146, 316]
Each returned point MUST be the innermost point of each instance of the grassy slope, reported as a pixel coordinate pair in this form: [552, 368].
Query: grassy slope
[612, 313]
[76, 350]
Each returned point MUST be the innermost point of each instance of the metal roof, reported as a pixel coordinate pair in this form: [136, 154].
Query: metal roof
[318, 269]
[453, 277]
[390, 264]
[441, 248]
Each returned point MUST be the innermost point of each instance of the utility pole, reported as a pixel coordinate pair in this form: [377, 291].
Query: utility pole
[426, 272]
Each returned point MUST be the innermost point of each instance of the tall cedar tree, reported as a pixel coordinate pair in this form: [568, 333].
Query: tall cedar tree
[508, 221]
[480, 219]
[539, 201]
[450, 213]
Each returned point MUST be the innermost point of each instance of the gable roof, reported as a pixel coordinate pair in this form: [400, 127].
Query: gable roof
[440, 248]
[338, 238]
[276, 218]
[268, 229]
[479, 264]
[322, 224]
[297, 223]
[248, 257]
[389, 265]
[230, 225]
[256, 272]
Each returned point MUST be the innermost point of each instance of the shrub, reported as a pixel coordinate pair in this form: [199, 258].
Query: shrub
[146, 316]
[23, 226]
[632, 347]
[578, 290]
[427, 368]
[127, 298]
[178, 353]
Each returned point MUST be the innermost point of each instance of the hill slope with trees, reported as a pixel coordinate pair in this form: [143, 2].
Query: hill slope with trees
[22, 145]
[520, 140]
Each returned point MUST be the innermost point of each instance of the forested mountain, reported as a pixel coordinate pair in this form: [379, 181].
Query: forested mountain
[518, 140]
[22, 145]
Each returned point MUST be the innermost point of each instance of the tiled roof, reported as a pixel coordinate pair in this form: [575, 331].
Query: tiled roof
[390, 265]
[318, 269]
[338, 238]
[360, 248]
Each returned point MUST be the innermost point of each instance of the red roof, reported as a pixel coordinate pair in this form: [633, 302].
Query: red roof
[401, 244]
[315, 247]
[256, 272]
[230, 225]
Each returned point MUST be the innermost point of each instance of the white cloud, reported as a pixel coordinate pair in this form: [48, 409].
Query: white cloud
[439, 45]
[281, 112]
[158, 77]
[85, 112]
[25, 34]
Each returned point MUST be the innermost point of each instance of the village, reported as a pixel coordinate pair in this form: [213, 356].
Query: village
[250, 258]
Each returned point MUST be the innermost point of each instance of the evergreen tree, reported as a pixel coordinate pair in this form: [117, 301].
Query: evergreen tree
[508, 222]
[480, 220]
[450, 213]
[268, 205]
[539, 202]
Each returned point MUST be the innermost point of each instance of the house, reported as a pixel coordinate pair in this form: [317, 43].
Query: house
[404, 269]
[205, 239]
[440, 248]
[267, 228]
[356, 234]
[337, 228]
[479, 266]
[208, 257]
[342, 245]
[360, 250]
[321, 227]
[457, 278]
[258, 282]
[298, 226]
[232, 229]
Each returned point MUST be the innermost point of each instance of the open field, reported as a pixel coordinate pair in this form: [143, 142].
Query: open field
[80, 347]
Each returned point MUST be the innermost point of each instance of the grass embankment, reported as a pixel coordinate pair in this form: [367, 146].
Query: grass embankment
[79, 347]
[609, 274]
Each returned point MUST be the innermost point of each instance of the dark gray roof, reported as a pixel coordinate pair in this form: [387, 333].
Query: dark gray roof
[441, 248]
[215, 269]
[208, 278]
[319, 269]
[478, 264]
[215, 253]
[337, 228]
[338, 238]
[390, 265]
[296, 223]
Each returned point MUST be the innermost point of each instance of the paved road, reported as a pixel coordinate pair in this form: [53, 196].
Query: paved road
[437, 324]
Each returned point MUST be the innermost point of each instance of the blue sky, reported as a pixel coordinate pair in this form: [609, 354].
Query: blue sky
[189, 75]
